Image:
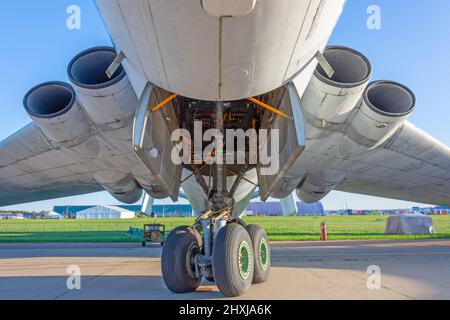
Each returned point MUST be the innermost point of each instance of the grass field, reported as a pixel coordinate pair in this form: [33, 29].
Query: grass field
[278, 228]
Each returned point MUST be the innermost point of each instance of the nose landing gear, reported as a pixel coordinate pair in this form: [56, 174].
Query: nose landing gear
[230, 253]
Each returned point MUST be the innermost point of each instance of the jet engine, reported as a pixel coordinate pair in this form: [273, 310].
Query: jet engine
[329, 101]
[72, 116]
[347, 116]
[53, 107]
[384, 108]
[110, 102]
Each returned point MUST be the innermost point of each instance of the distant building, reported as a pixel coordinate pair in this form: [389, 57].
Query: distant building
[29, 215]
[18, 215]
[53, 215]
[169, 210]
[105, 212]
[173, 210]
[342, 212]
[15, 216]
[185, 210]
[441, 210]
[310, 209]
[274, 209]
[69, 211]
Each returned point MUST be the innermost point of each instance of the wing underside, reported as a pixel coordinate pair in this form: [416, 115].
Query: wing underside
[32, 169]
[411, 166]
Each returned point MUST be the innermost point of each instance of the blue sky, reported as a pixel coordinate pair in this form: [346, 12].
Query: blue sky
[412, 47]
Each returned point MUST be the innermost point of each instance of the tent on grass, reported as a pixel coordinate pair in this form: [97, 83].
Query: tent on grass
[413, 224]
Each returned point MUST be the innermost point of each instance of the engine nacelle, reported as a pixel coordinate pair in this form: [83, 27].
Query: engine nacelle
[355, 115]
[120, 185]
[316, 186]
[385, 107]
[329, 101]
[110, 102]
[53, 107]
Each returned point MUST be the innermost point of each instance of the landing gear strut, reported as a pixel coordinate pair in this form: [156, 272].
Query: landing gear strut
[229, 252]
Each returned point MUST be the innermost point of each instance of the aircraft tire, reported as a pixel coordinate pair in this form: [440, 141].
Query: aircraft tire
[261, 249]
[233, 260]
[177, 261]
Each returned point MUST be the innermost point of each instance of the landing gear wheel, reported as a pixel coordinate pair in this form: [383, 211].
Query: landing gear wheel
[233, 260]
[178, 260]
[261, 249]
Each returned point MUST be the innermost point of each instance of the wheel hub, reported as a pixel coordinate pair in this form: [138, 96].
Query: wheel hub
[192, 251]
[245, 260]
[264, 254]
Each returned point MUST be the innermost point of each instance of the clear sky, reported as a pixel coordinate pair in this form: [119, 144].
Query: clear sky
[411, 47]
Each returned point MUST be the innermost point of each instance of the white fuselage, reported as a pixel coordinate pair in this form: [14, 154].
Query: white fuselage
[190, 48]
[220, 50]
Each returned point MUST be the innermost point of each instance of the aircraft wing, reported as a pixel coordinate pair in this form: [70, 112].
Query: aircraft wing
[32, 169]
[411, 166]
[80, 140]
[359, 139]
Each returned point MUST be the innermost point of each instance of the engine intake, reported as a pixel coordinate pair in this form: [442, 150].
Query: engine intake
[109, 102]
[49, 100]
[390, 99]
[333, 99]
[53, 107]
[385, 107]
[88, 68]
[351, 68]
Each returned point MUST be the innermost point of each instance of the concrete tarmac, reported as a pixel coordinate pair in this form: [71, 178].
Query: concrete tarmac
[335, 270]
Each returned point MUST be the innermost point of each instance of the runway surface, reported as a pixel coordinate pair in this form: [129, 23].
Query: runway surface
[337, 270]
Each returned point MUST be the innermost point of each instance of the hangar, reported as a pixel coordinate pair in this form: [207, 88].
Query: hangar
[105, 212]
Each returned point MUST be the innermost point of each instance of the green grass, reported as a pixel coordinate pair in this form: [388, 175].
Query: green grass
[279, 229]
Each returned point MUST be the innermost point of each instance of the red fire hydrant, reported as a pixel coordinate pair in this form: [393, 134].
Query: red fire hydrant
[323, 232]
